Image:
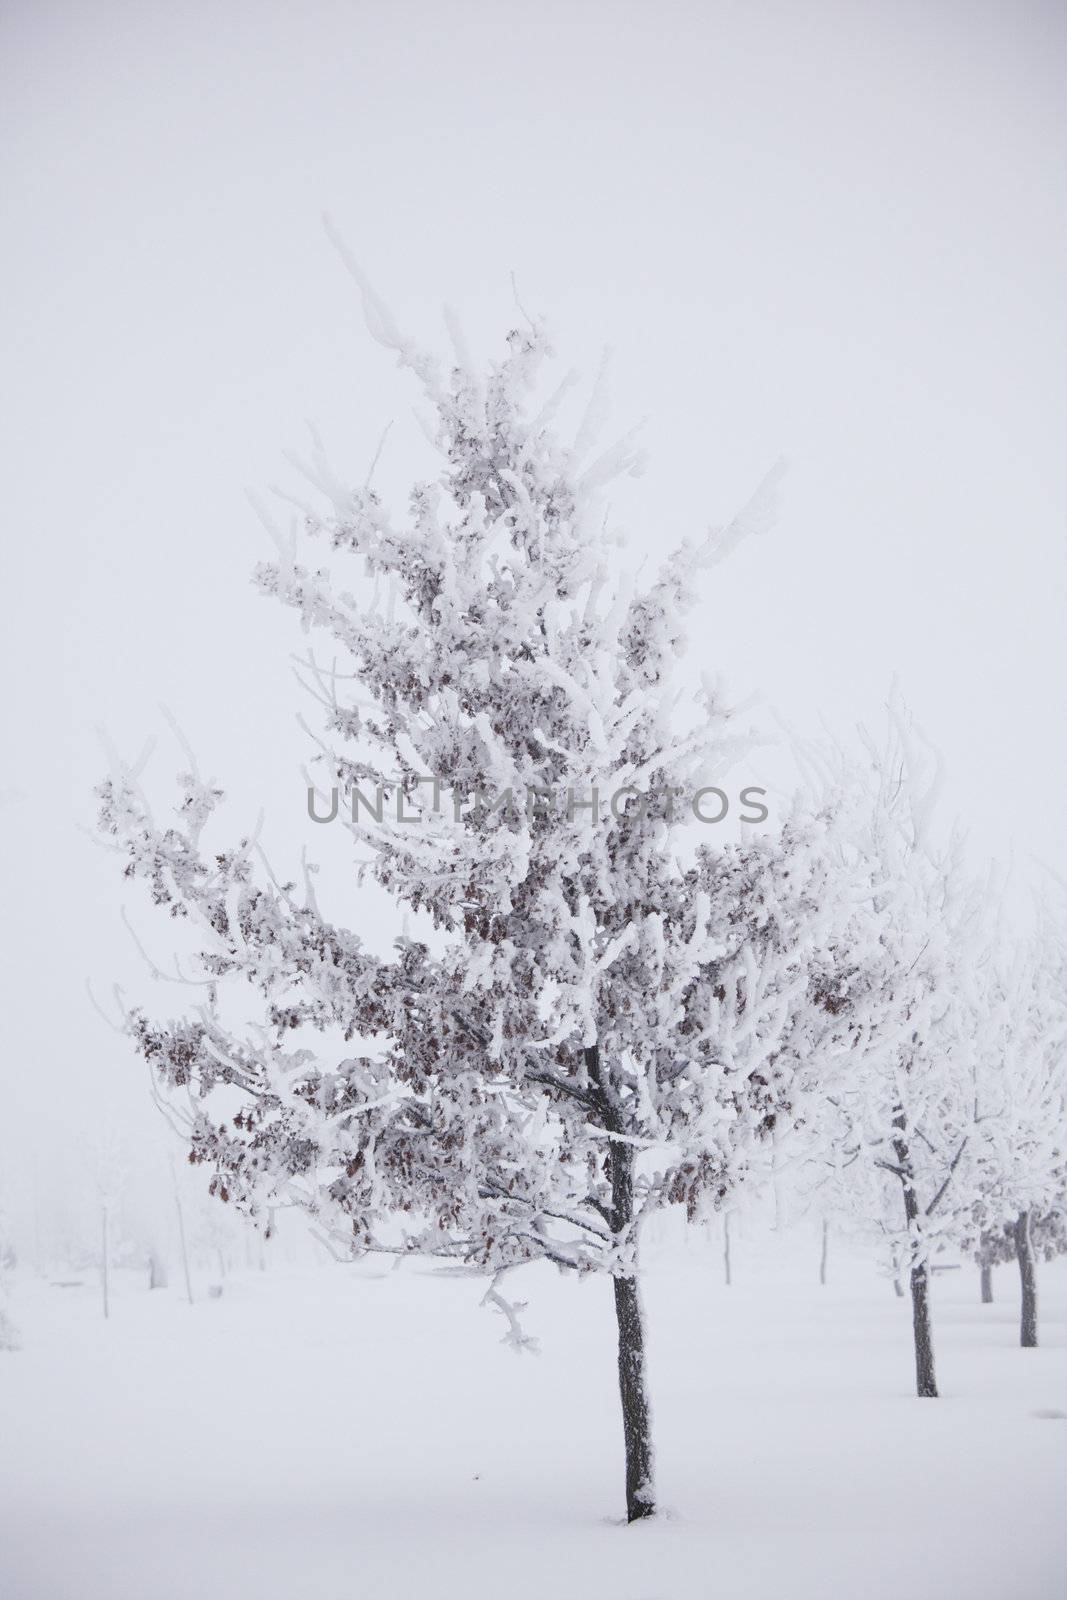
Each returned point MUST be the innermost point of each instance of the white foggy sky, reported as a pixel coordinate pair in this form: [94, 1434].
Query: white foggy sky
[833, 232]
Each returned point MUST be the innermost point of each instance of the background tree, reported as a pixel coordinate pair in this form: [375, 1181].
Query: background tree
[1021, 1171]
[900, 1109]
[109, 1176]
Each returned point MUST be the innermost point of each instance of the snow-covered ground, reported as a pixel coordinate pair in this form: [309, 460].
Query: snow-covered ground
[354, 1433]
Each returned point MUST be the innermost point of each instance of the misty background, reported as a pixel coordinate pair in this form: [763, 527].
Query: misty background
[830, 232]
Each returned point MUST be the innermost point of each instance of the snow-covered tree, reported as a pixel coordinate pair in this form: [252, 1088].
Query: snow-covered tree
[991, 1247]
[109, 1180]
[899, 1112]
[595, 1015]
[157, 1269]
[1020, 1174]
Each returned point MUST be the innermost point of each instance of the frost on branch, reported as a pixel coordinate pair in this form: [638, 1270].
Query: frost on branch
[601, 1018]
[898, 1115]
[591, 985]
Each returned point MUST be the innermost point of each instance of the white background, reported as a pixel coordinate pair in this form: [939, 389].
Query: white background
[830, 232]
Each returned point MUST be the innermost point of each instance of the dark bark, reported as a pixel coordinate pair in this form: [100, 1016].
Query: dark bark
[925, 1380]
[986, 1271]
[640, 1500]
[922, 1333]
[629, 1316]
[1024, 1250]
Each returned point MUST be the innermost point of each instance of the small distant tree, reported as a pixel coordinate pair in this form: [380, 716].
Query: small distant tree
[157, 1269]
[989, 1247]
[1046, 1235]
[593, 1015]
[109, 1180]
[900, 1111]
[1020, 1174]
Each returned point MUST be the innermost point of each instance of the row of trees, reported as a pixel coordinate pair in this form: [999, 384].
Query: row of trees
[945, 1130]
[592, 1014]
[153, 1223]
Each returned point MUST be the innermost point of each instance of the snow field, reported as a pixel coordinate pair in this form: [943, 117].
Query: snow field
[357, 1433]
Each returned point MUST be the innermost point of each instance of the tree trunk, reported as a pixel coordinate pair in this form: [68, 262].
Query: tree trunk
[726, 1247]
[898, 1288]
[1024, 1250]
[640, 1501]
[986, 1270]
[629, 1316]
[925, 1381]
[636, 1422]
[922, 1333]
[181, 1235]
[822, 1258]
